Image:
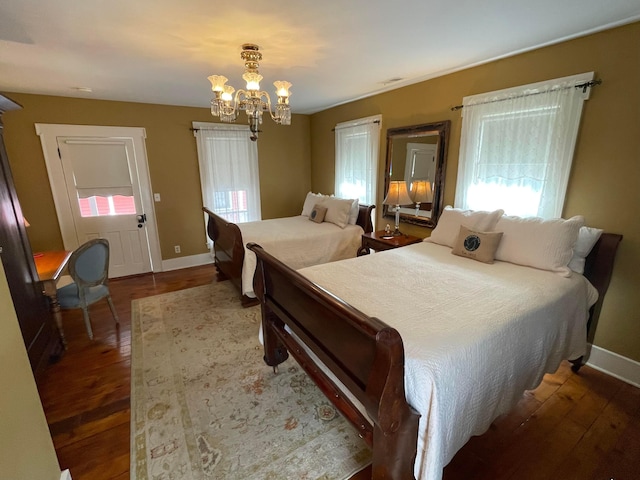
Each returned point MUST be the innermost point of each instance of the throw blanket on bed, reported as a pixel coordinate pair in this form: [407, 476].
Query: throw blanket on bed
[476, 335]
[298, 242]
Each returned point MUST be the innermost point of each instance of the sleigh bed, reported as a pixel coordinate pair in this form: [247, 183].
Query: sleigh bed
[450, 364]
[295, 240]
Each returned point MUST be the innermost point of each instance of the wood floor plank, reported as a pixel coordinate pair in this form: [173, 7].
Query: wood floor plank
[103, 456]
[527, 438]
[599, 389]
[86, 400]
[622, 460]
[500, 431]
[79, 428]
[548, 454]
[591, 452]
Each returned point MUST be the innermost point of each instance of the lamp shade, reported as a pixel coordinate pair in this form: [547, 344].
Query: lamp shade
[398, 194]
[421, 191]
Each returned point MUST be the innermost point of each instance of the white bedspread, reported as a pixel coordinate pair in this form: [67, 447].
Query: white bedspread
[476, 335]
[298, 242]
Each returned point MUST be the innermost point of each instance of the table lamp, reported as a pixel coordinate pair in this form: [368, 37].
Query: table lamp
[421, 192]
[397, 195]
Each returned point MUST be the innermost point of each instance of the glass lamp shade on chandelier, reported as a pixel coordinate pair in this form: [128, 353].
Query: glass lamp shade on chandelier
[252, 100]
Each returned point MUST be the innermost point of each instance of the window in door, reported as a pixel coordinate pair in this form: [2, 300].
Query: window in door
[102, 180]
[97, 206]
[517, 145]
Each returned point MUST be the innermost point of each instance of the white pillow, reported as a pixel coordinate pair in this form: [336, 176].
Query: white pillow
[338, 210]
[587, 238]
[310, 202]
[448, 227]
[353, 215]
[539, 243]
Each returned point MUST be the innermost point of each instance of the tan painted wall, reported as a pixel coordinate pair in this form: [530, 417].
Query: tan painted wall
[606, 168]
[283, 152]
[26, 449]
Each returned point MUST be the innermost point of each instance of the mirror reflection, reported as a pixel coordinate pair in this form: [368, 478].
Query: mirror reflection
[417, 156]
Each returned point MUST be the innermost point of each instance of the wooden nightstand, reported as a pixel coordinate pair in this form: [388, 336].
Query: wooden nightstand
[374, 241]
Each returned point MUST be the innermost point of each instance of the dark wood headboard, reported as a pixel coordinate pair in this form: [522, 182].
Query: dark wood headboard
[598, 269]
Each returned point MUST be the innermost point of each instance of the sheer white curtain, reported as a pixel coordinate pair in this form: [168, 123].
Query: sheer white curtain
[517, 147]
[229, 178]
[357, 150]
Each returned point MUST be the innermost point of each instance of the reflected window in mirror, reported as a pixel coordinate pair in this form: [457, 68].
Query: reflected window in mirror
[417, 155]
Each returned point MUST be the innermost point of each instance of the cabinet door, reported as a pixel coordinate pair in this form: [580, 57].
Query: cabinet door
[30, 304]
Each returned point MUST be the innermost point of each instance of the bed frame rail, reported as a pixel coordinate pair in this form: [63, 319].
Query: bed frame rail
[365, 355]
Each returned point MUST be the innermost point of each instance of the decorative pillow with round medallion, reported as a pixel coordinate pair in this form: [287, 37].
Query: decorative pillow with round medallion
[317, 214]
[480, 246]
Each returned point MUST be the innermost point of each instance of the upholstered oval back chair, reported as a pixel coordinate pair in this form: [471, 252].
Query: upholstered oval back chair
[89, 269]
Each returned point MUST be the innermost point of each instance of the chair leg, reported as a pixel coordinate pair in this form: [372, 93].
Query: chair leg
[113, 310]
[87, 322]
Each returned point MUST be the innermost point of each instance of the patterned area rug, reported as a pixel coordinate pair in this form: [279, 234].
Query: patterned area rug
[205, 406]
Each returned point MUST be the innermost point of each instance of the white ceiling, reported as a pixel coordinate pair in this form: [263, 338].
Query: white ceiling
[161, 51]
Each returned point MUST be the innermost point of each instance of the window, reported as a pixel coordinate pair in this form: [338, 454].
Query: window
[97, 205]
[357, 149]
[229, 177]
[517, 147]
[101, 177]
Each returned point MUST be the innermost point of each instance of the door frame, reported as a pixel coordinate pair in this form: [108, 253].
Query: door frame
[49, 133]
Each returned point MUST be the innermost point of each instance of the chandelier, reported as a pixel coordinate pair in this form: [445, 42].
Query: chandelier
[252, 100]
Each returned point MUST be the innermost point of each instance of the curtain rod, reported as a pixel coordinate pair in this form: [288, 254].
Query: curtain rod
[364, 123]
[583, 86]
[213, 129]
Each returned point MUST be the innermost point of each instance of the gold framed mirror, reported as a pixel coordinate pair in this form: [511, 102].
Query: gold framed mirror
[417, 155]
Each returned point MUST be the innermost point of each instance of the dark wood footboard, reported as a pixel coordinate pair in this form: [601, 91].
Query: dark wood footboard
[228, 250]
[364, 354]
[228, 246]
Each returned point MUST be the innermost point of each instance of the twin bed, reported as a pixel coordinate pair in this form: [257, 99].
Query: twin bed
[297, 241]
[421, 349]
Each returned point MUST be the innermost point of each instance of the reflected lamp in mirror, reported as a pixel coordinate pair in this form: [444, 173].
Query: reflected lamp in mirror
[396, 196]
[421, 193]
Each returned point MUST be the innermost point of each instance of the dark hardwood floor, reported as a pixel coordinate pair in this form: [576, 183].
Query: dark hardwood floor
[584, 426]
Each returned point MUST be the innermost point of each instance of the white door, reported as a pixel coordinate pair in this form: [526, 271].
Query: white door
[104, 195]
[101, 190]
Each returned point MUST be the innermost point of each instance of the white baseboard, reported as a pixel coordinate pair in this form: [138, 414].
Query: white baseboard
[186, 262]
[65, 475]
[617, 366]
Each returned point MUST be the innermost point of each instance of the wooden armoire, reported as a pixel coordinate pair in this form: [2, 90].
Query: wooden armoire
[32, 307]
